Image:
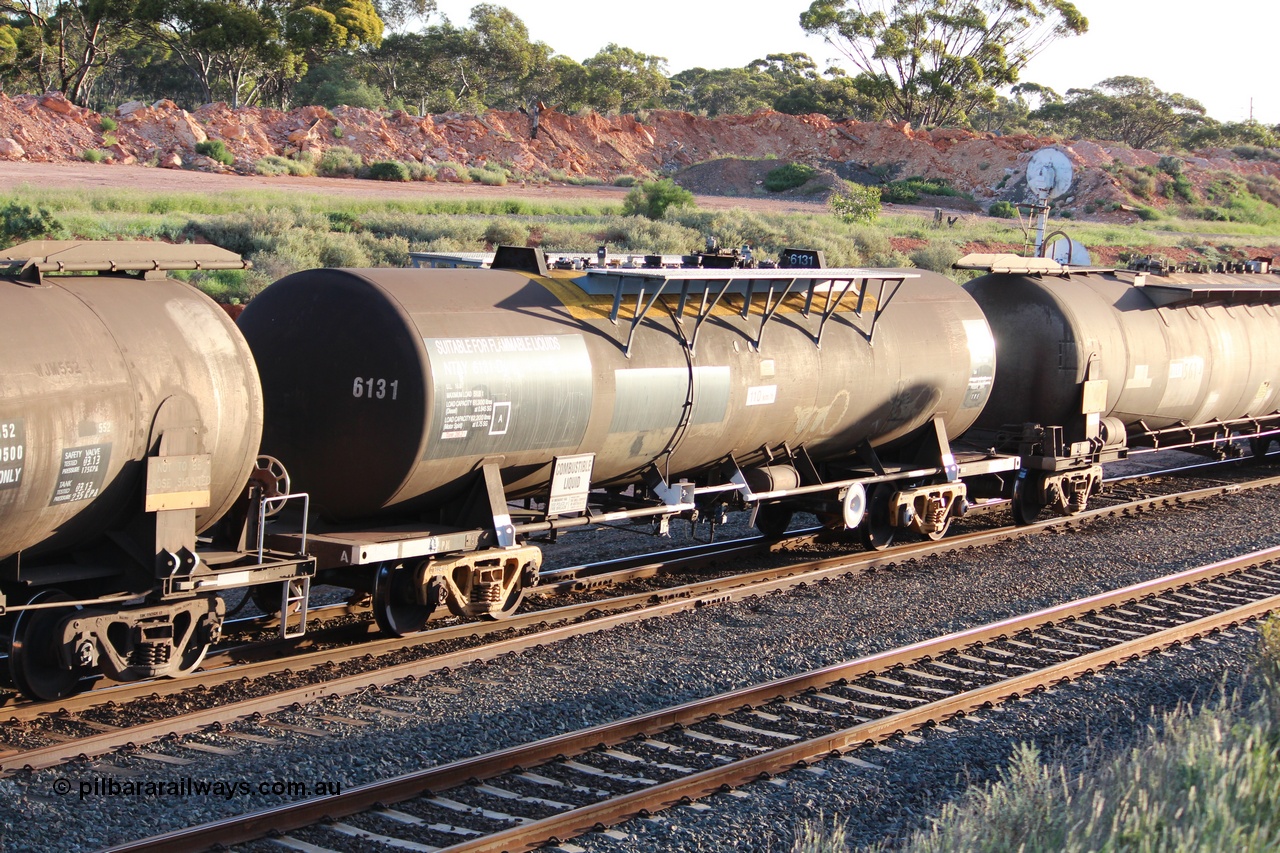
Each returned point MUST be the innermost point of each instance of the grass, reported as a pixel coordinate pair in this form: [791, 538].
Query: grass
[1203, 780]
[282, 232]
[1200, 780]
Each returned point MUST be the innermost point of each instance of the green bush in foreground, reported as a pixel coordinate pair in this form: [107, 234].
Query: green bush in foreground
[937, 256]
[19, 223]
[93, 155]
[339, 162]
[909, 190]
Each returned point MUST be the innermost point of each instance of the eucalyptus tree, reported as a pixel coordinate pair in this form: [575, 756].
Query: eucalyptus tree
[64, 45]
[932, 62]
[1129, 109]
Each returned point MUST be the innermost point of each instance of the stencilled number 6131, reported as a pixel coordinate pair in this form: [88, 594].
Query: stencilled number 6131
[372, 388]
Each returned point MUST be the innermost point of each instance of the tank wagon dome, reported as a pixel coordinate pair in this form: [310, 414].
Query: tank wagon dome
[385, 389]
[93, 367]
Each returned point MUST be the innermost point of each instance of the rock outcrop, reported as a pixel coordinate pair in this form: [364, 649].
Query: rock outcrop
[48, 128]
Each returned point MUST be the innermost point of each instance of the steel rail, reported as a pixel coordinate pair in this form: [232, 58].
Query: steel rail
[245, 828]
[591, 617]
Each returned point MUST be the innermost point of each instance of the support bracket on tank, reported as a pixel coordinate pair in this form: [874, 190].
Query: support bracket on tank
[835, 285]
[487, 505]
[770, 307]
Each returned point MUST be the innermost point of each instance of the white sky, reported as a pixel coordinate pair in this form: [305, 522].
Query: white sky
[1217, 53]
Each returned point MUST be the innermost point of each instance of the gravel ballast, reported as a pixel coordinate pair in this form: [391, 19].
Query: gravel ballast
[644, 667]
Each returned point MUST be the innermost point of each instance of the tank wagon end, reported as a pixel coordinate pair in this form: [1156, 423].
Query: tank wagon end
[130, 416]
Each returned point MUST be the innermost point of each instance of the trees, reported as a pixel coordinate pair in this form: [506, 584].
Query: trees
[226, 46]
[1129, 109]
[721, 91]
[620, 77]
[932, 62]
[65, 45]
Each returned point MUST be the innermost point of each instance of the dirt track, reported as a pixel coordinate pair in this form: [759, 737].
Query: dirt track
[90, 176]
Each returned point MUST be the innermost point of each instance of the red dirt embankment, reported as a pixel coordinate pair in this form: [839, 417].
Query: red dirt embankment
[49, 129]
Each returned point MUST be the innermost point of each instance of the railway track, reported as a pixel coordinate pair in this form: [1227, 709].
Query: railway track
[85, 726]
[565, 786]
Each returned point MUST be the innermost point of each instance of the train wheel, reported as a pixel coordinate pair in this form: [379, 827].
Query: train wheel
[877, 532]
[773, 519]
[395, 602]
[1026, 500]
[1260, 446]
[34, 666]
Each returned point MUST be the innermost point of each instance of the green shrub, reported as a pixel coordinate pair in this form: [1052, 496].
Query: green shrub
[338, 131]
[1255, 152]
[1141, 184]
[788, 177]
[216, 149]
[19, 223]
[93, 155]
[856, 203]
[937, 256]
[388, 170]
[343, 222]
[1264, 187]
[1003, 210]
[450, 171]
[909, 190]
[489, 177]
[504, 232]
[339, 162]
[302, 163]
[626, 181]
[272, 165]
[652, 199]
[108, 124]
[1148, 214]
[420, 171]
[871, 242]
[1180, 188]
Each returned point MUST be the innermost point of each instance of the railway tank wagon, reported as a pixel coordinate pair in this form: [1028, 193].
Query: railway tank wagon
[1094, 361]
[433, 397]
[130, 417]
